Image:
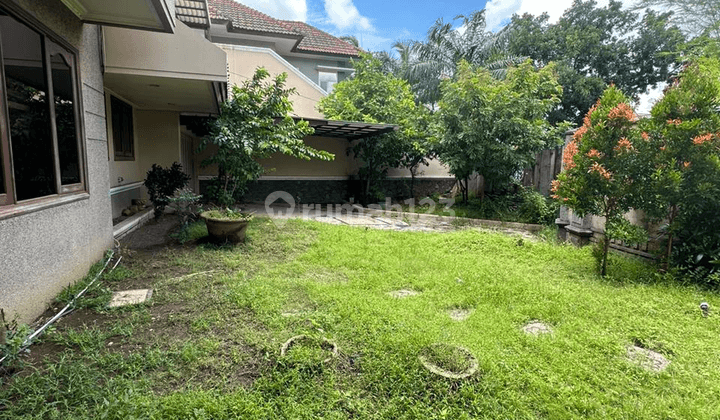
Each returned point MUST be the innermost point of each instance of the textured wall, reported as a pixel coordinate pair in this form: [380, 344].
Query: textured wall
[48, 249]
[243, 61]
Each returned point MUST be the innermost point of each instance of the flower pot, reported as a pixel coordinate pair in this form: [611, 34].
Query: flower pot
[225, 230]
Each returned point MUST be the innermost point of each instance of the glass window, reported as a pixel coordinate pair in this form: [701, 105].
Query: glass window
[327, 80]
[61, 63]
[122, 128]
[28, 112]
[40, 147]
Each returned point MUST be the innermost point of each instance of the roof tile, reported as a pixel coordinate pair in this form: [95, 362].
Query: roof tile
[311, 38]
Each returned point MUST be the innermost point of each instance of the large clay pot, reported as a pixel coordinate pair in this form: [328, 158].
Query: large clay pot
[225, 230]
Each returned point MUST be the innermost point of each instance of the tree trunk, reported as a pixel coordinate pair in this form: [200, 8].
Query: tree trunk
[481, 188]
[412, 183]
[668, 248]
[606, 249]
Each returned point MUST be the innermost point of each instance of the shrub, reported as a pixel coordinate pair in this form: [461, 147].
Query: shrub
[162, 183]
[536, 208]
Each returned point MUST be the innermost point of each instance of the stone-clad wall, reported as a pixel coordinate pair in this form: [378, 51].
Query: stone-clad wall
[334, 191]
[53, 244]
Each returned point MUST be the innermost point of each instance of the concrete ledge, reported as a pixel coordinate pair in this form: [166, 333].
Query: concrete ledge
[131, 223]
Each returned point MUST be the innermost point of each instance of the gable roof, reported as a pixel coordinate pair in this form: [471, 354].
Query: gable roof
[315, 40]
[310, 39]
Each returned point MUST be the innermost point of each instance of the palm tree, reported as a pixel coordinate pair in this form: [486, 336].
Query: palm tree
[438, 56]
[350, 39]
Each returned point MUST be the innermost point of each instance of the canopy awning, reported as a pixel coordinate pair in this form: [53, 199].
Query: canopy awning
[154, 15]
[175, 72]
[351, 130]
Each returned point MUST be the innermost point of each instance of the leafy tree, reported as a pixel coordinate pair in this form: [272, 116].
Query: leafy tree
[596, 46]
[253, 125]
[696, 16]
[595, 178]
[495, 127]
[375, 97]
[683, 149]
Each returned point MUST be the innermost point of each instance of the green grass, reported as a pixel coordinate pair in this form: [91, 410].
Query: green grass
[210, 330]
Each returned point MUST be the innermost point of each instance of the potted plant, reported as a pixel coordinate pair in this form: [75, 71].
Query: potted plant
[227, 225]
[253, 125]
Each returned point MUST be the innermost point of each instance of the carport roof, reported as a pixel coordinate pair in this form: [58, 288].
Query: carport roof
[351, 130]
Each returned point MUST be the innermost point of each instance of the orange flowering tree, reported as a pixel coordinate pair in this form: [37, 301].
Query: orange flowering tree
[681, 142]
[599, 169]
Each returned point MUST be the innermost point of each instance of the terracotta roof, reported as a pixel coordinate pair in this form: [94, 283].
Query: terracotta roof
[310, 38]
[193, 12]
[243, 17]
[316, 40]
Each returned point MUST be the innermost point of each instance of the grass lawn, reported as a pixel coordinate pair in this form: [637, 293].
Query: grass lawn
[208, 345]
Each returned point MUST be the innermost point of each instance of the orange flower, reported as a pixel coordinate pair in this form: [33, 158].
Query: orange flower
[554, 185]
[645, 136]
[686, 165]
[594, 154]
[623, 145]
[702, 139]
[569, 153]
[622, 112]
[580, 132]
[662, 148]
[596, 167]
[586, 120]
[676, 121]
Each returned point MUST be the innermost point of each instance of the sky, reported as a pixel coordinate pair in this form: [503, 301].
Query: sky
[377, 24]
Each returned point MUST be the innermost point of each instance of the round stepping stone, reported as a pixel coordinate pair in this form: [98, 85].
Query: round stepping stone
[432, 361]
[403, 293]
[325, 344]
[647, 359]
[460, 314]
[536, 327]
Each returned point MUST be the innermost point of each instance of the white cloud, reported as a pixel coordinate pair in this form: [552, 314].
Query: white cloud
[499, 12]
[280, 9]
[344, 15]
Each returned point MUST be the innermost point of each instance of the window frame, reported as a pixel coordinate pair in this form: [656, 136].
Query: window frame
[8, 200]
[122, 155]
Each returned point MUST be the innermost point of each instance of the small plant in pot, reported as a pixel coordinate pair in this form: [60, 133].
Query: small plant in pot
[253, 125]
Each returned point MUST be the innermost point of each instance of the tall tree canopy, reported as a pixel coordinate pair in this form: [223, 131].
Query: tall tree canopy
[377, 97]
[495, 127]
[424, 64]
[695, 16]
[597, 46]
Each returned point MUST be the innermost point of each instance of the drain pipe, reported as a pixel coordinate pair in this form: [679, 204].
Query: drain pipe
[28, 341]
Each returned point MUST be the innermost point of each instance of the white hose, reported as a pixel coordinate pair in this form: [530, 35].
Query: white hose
[28, 341]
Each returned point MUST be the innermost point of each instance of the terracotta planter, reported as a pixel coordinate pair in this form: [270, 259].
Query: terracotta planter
[225, 230]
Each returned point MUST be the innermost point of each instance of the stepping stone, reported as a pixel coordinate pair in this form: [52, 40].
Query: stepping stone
[460, 314]
[403, 293]
[536, 327]
[647, 359]
[129, 297]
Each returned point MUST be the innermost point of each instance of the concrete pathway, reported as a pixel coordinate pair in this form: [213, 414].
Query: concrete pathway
[392, 220]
